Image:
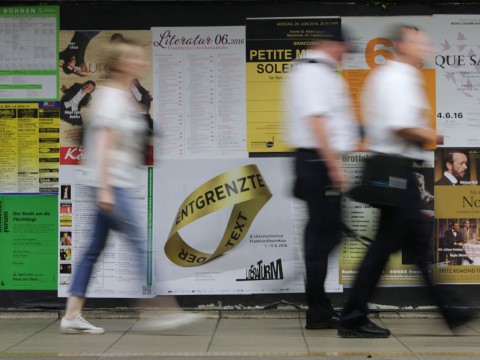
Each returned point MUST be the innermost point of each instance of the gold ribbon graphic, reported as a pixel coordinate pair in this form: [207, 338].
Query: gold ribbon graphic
[244, 188]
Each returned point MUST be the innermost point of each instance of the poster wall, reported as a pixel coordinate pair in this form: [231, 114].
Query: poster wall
[212, 96]
[457, 157]
[29, 147]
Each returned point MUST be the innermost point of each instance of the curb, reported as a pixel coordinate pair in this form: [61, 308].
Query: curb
[137, 313]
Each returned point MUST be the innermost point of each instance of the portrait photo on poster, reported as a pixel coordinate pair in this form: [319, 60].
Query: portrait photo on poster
[457, 166]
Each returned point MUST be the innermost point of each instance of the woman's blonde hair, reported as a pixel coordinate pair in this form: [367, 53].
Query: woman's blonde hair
[117, 50]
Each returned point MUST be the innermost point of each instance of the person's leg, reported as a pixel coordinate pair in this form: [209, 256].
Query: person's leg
[83, 271]
[74, 306]
[126, 220]
[355, 311]
[73, 322]
[322, 234]
[354, 321]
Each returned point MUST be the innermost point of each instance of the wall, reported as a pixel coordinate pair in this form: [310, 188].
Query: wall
[142, 16]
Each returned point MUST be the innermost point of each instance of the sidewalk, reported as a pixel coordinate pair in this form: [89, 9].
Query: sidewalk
[238, 335]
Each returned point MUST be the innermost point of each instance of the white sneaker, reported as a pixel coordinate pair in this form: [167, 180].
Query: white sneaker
[79, 326]
[170, 321]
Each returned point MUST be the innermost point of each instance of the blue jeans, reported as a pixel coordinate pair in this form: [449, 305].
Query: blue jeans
[122, 218]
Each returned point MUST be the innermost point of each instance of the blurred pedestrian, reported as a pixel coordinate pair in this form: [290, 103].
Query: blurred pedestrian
[321, 127]
[114, 143]
[395, 107]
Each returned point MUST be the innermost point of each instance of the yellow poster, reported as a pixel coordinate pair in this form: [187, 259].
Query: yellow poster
[29, 143]
[457, 233]
[271, 46]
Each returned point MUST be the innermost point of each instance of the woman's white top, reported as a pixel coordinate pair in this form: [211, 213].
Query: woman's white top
[115, 109]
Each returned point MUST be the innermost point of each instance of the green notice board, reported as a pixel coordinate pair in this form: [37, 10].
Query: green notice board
[28, 242]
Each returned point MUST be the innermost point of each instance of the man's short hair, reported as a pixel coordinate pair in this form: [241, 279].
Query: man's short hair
[398, 31]
[448, 156]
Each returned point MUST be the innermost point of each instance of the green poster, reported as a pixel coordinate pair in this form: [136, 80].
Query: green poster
[28, 242]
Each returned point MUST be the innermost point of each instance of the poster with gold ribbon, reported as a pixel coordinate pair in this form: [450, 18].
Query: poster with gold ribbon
[226, 227]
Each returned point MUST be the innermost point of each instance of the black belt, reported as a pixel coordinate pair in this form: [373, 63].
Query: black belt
[308, 154]
[307, 150]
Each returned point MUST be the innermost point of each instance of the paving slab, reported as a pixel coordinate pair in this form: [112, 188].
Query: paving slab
[194, 338]
[258, 335]
[15, 331]
[235, 338]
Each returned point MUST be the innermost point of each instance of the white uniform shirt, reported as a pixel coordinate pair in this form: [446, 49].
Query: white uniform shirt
[393, 98]
[316, 89]
[115, 109]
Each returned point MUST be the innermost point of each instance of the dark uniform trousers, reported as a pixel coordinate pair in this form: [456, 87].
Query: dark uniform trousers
[402, 227]
[322, 231]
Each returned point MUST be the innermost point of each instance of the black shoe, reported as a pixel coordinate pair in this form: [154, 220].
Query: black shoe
[459, 317]
[368, 330]
[317, 321]
[331, 323]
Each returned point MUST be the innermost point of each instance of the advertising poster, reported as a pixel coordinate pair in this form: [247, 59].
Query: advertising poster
[30, 147]
[362, 223]
[226, 228]
[457, 212]
[272, 44]
[199, 81]
[28, 243]
[361, 219]
[82, 68]
[457, 64]
[29, 43]
[116, 274]
[369, 38]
